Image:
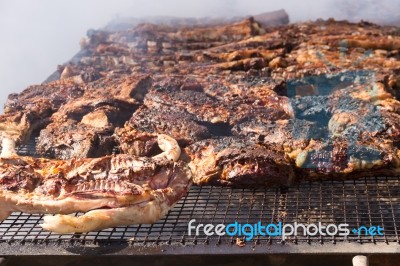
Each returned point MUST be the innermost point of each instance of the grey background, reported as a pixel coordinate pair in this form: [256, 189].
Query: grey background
[36, 36]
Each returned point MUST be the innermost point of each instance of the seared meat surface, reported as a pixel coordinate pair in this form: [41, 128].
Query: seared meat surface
[138, 136]
[30, 110]
[197, 103]
[348, 130]
[75, 140]
[111, 190]
[238, 162]
[84, 127]
[251, 105]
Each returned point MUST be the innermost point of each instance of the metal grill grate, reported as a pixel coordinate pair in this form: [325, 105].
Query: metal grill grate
[362, 202]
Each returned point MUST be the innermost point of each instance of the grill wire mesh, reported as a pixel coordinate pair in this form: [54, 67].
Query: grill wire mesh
[362, 202]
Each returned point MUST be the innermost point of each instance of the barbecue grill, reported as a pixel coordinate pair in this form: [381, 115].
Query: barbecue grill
[362, 202]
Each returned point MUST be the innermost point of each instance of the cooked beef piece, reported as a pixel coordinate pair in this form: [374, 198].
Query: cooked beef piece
[240, 111]
[238, 162]
[233, 107]
[75, 140]
[352, 130]
[56, 93]
[139, 136]
[204, 107]
[83, 129]
[20, 125]
[254, 86]
[341, 158]
[30, 110]
[316, 154]
[130, 89]
[111, 191]
[116, 110]
[288, 135]
[223, 34]
[248, 99]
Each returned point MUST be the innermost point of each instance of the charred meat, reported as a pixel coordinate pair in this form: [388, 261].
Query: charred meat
[139, 134]
[251, 105]
[83, 129]
[238, 162]
[111, 190]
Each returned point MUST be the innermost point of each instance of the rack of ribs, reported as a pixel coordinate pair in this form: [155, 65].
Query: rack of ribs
[111, 190]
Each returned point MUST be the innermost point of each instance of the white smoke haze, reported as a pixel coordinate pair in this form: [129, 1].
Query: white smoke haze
[36, 36]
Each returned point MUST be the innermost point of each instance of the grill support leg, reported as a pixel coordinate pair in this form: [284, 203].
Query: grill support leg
[360, 260]
[3, 261]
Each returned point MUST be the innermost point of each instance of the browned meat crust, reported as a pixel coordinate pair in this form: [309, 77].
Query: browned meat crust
[84, 127]
[293, 93]
[238, 162]
[138, 136]
[112, 190]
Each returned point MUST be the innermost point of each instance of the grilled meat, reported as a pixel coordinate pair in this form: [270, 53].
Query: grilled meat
[287, 135]
[306, 98]
[213, 103]
[20, 125]
[138, 136]
[230, 161]
[55, 93]
[84, 127]
[30, 110]
[111, 190]
[351, 128]
[204, 107]
[75, 140]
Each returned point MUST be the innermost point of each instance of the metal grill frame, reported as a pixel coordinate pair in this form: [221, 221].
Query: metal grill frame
[365, 201]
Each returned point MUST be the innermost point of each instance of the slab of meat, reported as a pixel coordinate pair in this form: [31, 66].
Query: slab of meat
[139, 134]
[352, 129]
[111, 190]
[237, 162]
[214, 103]
[84, 127]
[55, 94]
[197, 103]
[30, 110]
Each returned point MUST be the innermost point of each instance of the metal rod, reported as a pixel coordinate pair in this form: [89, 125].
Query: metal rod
[360, 261]
[3, 261]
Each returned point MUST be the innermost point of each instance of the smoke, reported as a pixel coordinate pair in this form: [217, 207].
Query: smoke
[38, 35]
